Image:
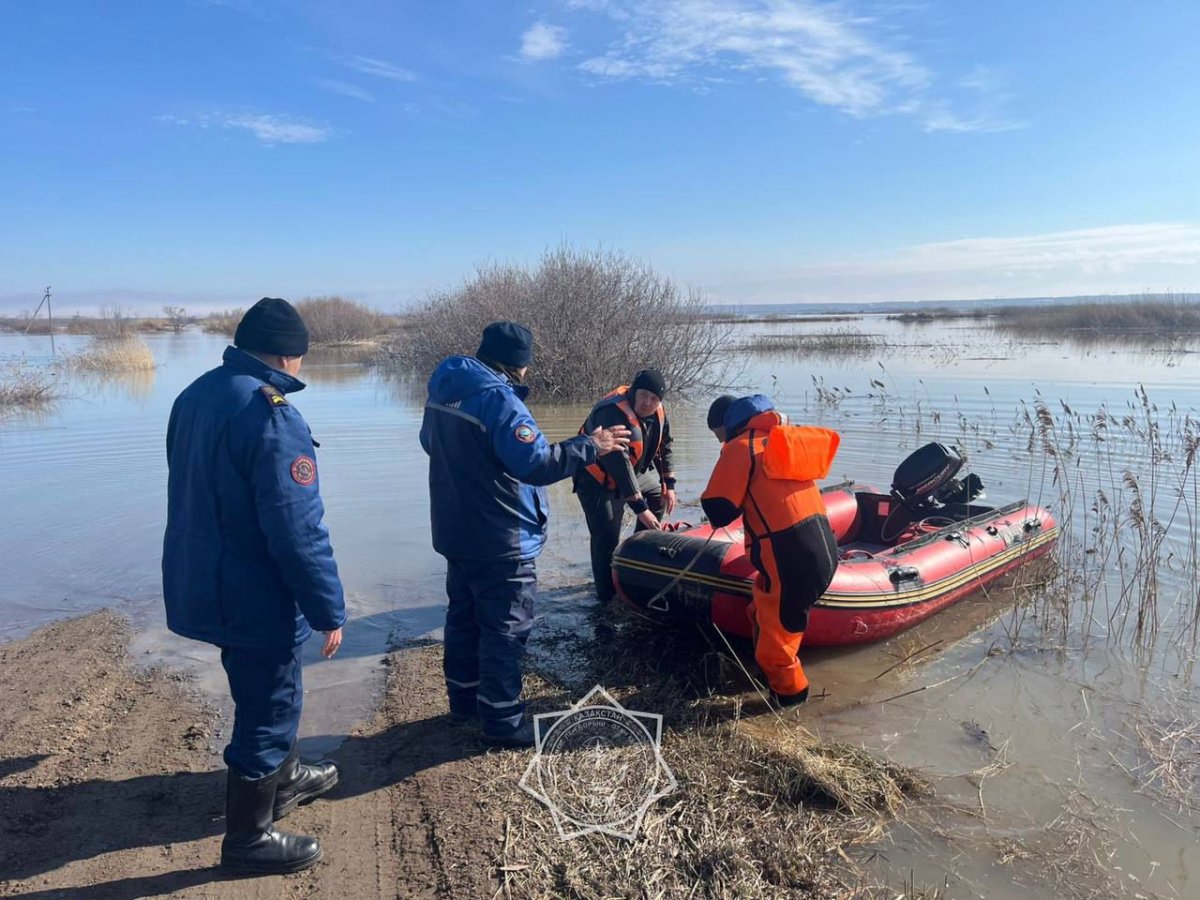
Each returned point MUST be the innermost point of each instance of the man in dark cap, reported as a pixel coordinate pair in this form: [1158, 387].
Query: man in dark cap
[716, 415]
[247, 566]
[488, 465]
[641, 478]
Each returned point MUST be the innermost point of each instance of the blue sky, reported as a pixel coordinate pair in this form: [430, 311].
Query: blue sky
[212, 151]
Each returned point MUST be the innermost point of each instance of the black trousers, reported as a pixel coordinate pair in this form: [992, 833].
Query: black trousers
[604, 511]
[487, 624]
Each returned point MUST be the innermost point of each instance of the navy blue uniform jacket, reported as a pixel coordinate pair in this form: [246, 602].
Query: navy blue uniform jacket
[246, 558]
[488, 461]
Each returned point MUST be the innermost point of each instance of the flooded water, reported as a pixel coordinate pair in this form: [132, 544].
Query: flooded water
[1036, 740]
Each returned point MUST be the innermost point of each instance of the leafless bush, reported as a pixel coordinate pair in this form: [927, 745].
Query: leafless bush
[224, 322]
[115, 324]
[597, 317]
[336, 320]
[177, 317]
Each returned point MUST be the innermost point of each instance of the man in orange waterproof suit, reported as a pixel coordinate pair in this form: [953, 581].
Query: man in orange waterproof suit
[767, 474]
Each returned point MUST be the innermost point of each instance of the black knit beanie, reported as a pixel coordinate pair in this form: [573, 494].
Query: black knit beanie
[649, 380]
[272, 326]
[506, 343]
[716, 412]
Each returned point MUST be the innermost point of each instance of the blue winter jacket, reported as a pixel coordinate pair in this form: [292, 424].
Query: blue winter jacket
[246, 558]
[487, 464]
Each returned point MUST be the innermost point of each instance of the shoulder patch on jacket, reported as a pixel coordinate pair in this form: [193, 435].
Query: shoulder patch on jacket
[273, 395]
[304, 470]
[525, 434]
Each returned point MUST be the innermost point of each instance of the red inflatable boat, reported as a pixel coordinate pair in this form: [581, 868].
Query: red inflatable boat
[905, 555]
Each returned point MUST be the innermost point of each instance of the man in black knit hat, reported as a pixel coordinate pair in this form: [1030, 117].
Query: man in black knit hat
[489, 465]
[642, 477]
[247, 566]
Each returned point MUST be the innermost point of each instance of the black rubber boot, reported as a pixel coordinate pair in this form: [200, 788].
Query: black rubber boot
[520, 738]
[786, 700]
[252, 846]
[300, 783]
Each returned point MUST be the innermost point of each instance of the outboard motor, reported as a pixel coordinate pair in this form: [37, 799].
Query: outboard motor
[926, 472]
[925, 483]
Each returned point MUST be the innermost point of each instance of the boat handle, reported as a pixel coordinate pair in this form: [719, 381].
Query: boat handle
[903, 573]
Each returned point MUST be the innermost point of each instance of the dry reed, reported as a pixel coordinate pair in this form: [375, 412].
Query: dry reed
[22, 387]
[113, 355]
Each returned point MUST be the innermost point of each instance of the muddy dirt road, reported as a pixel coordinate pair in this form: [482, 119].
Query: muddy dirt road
[109, 788]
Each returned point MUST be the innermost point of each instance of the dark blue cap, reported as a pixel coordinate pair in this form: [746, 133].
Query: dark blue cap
[506, 343]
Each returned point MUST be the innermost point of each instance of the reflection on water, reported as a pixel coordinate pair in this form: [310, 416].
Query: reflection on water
[135, 385]
[336, 365]
[84, 489]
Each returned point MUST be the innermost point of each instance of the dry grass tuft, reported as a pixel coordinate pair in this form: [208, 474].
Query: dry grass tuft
[826, 341]
[122, 355]
[796, 767]
[763, 809]
[26, 388]
[1172, 750]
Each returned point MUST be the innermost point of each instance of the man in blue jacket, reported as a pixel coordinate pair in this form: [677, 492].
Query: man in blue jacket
[247, 566]
[488, 465]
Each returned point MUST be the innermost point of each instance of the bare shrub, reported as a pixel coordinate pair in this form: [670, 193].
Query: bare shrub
[177, 317]
[224, 322]
[115, 324]
[336, 320]
[108, 355]
[22, 387]
[597, 317]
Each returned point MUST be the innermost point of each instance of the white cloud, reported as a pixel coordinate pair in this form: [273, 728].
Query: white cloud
[278, 129]
[379, 68]
[1111, 259]
[543, 41]
[939, 118]
[269, 129]
[346, 89]
[834, 57]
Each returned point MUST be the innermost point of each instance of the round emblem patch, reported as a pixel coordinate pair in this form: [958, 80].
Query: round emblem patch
[525, 434]
[304, 470]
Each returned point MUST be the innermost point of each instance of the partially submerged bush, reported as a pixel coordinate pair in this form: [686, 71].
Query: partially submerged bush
[22, 387]
[224, 322]
[336, 320]
[108, 355]
[116, 324]
[597, 317]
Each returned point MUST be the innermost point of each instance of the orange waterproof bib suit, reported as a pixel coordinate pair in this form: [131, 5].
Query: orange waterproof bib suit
[766, 473]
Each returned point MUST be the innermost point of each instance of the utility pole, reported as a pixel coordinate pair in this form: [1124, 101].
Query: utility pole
[49, 316]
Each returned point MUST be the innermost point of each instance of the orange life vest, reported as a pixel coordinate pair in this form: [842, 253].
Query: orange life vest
[637, 440]
[770, 471]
